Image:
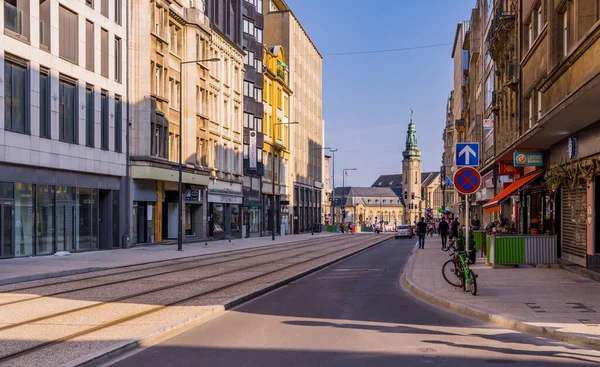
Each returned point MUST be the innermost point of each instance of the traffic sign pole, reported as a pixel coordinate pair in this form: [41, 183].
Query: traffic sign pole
[467, 213]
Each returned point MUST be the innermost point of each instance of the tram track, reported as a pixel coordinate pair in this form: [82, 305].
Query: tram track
[7, 355]
[171, 262]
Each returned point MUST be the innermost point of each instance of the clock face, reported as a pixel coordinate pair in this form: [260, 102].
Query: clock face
[416, 164]
[405, 164]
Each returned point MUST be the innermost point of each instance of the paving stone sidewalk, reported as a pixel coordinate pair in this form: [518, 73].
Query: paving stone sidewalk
[551, 302]
[41, 267]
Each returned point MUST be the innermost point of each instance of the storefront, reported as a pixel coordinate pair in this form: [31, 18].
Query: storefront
[224, 214]
[145, 196]
[307, 207]
[252, 209]
[275, 221]
[62, 211]
[194, 213]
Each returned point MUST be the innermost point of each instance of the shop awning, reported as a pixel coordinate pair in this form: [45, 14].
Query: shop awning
[494, 204]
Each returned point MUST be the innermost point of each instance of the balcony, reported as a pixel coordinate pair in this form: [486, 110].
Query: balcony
[512, 75]
[13, 18]
[500, 37]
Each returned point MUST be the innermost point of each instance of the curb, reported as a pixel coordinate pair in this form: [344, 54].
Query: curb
[483, 315]
[105, 355]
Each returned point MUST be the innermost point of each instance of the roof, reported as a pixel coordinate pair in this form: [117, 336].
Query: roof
[388, 181]
[432, 176]
[372, 192]
[494, 204]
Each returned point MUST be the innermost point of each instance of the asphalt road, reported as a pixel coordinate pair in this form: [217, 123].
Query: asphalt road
[354, 313]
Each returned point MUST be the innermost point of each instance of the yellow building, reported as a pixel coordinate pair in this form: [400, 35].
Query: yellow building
[276, 130]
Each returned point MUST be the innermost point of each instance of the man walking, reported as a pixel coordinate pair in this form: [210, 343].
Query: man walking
[444, 232]
[422, 232]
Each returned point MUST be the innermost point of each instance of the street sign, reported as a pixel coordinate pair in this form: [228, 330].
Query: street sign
[467, 180]
[467, 154]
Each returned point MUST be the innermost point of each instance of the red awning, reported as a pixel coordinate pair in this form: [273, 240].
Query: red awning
[494, 204]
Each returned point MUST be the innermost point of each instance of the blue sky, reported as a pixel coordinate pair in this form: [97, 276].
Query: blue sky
[367, 98]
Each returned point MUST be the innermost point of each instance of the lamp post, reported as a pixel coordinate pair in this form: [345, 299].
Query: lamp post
[344, 187]
[272, 216]
[333, 183]
[180, 181]
[312, 230]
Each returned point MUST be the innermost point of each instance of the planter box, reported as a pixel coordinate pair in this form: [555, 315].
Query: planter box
[516, 250]
[540, 250]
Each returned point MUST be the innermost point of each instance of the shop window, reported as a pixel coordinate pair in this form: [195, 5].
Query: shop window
[44, 219]
[23, 219]
[87, 219]
[235, 218]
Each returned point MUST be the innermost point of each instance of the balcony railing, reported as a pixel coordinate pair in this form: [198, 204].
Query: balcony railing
[13, 18]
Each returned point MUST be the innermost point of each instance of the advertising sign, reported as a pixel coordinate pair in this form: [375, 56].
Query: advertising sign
[529, 159]
[252, 151]
[506, 169]
[488, 124]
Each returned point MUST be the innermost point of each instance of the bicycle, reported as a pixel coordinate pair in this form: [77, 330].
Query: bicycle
[457, 271]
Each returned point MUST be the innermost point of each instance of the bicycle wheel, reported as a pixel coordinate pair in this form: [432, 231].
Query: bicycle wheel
[473, 285]
[451, 273]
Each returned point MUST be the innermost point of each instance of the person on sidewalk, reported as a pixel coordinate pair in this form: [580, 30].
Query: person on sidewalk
[454, 227]
[422, 232]
[444, 232]
[475, 223]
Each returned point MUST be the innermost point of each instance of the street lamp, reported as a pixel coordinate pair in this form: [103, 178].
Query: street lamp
[272, 216]
[344, 186]
[180, 182]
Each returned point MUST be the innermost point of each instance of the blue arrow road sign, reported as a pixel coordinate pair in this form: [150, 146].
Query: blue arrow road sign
[467, 154]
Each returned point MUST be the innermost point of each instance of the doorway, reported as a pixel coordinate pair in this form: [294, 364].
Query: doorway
[65, 227]
[6, 230]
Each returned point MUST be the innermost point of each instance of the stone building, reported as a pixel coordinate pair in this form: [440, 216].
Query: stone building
[306, 134]
[276, 130]
[63, 142]
[211, 93]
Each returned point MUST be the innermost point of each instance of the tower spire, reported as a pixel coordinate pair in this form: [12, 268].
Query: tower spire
[412, 149]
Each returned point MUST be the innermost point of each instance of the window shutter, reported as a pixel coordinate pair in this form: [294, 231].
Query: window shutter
[68, 35]
[104, 53]
[104, 8]
[89, 45]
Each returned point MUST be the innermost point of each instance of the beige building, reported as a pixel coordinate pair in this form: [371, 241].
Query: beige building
[163, 35]
[327, 198]
[306, 143]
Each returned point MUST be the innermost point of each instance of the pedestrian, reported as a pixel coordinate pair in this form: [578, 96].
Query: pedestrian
[422, 231]
[437, 226]
[342, 227]
[444, 232]
[454, 227]
[431, 229]
[475, 223]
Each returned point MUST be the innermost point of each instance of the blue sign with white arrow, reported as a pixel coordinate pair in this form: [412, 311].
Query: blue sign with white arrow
[467, 154]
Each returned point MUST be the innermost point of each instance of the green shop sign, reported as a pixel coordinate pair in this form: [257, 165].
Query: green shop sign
[524, 159]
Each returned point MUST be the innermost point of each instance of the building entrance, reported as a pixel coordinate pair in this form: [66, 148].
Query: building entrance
[6, 230]
[65, 227]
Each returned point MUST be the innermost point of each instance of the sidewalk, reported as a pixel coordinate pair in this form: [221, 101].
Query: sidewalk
[549, 302]
[41, 267]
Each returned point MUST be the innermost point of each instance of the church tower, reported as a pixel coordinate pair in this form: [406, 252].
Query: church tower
[411, 174]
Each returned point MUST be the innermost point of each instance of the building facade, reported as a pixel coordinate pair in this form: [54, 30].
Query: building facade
[328, 198]
[411, 176]
[63, 140]
[306, 133]
[276, 152]
[253, 27]
[540, 78]
[373, 206]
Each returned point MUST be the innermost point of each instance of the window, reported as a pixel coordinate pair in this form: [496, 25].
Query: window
[118, 60]
[44, 104]
[248, 27]
[68, 111]
[89, 45]
[198, 151]
[89, 117]
[104, 8]
[489, 6]
[15, 97]
[530, 35]
[104, 144]
[540, 20]
[16, 17]
[118, 11]
[249, 58]
[248, 121]
[158, 15]
[118, 125]
[258, 124]
[489, 89]
[258, 34]
[565, 33]
[259, 5]
[68, 35]
[249, 89]
[174, 44]
[530, 104]
[258, 95]
[157, 80]
[539, 105]
[45, 25]
[158, 134]
[90, 3]
[258, 65]
[104, 53]
[173, 147]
